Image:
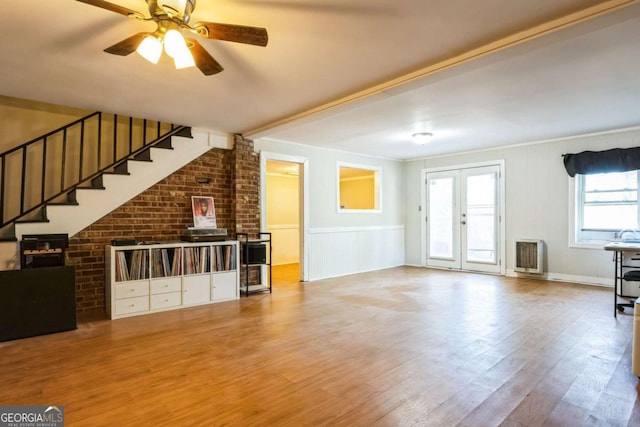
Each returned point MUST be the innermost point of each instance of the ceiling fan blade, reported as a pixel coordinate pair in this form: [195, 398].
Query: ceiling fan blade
[203, 60]
[127, 46]
[112, 7]
[233, 33]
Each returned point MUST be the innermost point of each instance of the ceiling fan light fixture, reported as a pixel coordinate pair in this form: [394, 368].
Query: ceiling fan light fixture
[173, 7]
[150, 49]
[422, 137]
[171, 17]
[176, 47]
[184, 60]
[174, 43]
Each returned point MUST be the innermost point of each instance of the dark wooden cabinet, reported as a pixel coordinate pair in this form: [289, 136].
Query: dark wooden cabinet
[37, 301]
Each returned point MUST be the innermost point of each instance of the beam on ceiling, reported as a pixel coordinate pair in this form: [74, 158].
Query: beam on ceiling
[489, 48]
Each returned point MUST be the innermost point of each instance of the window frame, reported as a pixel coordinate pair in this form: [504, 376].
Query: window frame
[377, 170]
[584, 237]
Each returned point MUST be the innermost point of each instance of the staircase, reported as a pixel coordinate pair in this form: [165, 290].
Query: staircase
[66, 180]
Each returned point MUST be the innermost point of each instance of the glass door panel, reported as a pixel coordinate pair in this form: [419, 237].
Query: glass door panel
[479, 219]
[442, 220]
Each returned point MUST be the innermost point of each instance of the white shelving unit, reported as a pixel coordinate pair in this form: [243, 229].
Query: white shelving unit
[143, 279]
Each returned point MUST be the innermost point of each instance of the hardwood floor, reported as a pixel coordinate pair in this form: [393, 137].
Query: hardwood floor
[403, 346]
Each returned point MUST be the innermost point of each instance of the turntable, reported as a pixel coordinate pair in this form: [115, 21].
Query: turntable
[193, 234]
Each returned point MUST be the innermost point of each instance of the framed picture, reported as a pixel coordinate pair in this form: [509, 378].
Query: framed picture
[204, 213]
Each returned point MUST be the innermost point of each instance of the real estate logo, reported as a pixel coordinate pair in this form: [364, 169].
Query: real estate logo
[31, 416]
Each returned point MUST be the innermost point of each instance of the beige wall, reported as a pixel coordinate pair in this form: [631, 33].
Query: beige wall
[282, 200]
[283, 219]
[22, 120]
[358, 193]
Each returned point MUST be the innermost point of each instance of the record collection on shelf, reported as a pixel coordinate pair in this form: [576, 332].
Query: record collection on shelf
[168, 262]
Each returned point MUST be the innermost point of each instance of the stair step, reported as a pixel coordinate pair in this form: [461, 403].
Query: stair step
[185, 132]
[121, 169]
[31, 221]
[71, 196]
[63, 204]
[90, 188]
[38, 215]
[144, 156]
[8, 233]
[165, 144]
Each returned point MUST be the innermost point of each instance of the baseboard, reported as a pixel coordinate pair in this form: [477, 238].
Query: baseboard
[553, 277]
[334, 276]
[569, 278]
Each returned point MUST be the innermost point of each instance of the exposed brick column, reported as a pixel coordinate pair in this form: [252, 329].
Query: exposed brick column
[246, 186]
[246, 195]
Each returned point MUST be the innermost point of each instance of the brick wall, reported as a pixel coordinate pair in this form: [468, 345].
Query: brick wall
[246, 186]
[246, 195]
[162, 212]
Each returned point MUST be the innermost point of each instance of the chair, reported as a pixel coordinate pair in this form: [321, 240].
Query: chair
[629, 276]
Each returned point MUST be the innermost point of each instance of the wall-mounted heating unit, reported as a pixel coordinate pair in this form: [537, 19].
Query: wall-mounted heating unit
[528, 255]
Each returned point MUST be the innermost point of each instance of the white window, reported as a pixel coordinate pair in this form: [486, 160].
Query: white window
[606, 204]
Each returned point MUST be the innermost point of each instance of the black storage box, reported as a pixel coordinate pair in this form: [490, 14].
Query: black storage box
[253, 253]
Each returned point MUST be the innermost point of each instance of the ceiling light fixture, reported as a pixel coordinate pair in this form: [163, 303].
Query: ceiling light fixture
[422, 137]
[150, 48]
[174, 45]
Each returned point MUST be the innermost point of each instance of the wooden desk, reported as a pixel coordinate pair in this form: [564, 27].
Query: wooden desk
[619, 248]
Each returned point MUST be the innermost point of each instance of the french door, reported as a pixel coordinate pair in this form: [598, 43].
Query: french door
[463, 219]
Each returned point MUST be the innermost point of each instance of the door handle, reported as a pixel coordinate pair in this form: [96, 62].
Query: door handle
[463, 222]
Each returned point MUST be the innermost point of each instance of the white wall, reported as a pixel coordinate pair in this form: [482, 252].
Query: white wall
[332, 233]
[537, 202]
[323, 187]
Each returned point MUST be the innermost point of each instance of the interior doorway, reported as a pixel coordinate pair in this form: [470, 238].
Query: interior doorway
[284, 213]
[464, 213]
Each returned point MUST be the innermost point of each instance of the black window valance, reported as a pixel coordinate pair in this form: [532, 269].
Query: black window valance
[614, 160]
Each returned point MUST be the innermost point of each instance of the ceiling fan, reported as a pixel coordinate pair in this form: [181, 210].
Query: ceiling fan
[171, 17]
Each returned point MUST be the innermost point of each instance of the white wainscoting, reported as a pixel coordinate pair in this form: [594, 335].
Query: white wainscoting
[285, 243]
[347, 250]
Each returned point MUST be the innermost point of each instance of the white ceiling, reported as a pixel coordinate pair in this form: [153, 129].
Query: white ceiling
[366, 69]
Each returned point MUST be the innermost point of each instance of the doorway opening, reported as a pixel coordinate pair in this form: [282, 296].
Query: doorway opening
[284, 214]
[463, 224]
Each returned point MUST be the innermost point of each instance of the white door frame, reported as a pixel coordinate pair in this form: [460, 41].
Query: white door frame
[304, 202]
[501, 207]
